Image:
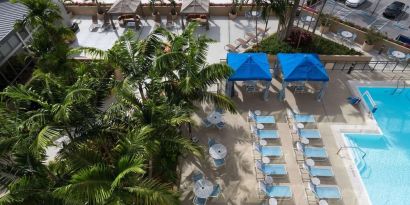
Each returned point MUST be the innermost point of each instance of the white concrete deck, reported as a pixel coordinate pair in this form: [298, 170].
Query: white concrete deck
[221, 30]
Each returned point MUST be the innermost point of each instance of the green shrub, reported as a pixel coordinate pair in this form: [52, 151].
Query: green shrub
[318, 45]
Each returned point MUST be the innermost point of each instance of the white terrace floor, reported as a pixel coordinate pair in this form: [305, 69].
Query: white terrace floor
[239, 177]
[222, 31]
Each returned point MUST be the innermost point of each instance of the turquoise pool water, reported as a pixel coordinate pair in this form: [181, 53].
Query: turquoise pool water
[385, 170]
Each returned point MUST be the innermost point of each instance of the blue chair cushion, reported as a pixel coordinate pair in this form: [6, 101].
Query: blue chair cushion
[315, 152]
[274, 169]
[279, 191]
[268, 134]
[274, 151]
[310, 133]
[304, 118]
[324, 192]
[265, 119]
[200, 201]
[216, 191]
[321, 171]
[219, 162]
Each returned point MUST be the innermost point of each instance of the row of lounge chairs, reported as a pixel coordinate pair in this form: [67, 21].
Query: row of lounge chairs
[317, 154]
[245, 42]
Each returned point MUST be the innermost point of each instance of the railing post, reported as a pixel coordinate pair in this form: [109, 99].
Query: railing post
[351, 68]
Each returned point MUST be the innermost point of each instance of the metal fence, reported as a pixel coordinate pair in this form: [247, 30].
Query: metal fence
[376, 66]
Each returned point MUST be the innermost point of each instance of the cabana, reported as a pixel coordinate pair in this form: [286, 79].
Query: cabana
[249, 67]
[301, 67]
[125, 7]
[195, 9]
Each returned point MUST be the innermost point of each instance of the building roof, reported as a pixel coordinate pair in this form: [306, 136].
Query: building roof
[302, 67]
[124, 7]
[249, 66]
[9, 13]
[195, 7]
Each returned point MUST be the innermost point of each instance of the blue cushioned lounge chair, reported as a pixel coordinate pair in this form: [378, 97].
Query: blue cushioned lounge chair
[267, 134]
[268, 151]
[325, 191]
[310, 133]
[276, 191]
[319, 171]
[318, 153]
[275, 170]
[262, 119]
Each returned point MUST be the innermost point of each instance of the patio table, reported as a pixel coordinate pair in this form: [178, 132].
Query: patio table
[266, 160]
[300, 125]
[218, 151]
[346, 34]
[203, 188]
[398, 54]
[273, 201]
[260, 126]
[215, 118]
[263, 142]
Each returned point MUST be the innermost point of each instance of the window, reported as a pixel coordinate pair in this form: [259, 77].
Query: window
[5, 49]
[23, 33]
[13, 41]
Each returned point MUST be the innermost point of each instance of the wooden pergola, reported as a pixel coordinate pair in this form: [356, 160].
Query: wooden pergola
[194, 7]
[124, 7]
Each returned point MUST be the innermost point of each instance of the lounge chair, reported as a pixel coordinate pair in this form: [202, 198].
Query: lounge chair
[268, 151]
[318, 171]
[325, 191]
[275, 170]
[309, 133]
[242, 42]
[232, 48]
[267, 134]
[276, 191]
[300, 118]
[250, 37]
[217, 191]
[317, 153]
[262, 119]
[199, 201]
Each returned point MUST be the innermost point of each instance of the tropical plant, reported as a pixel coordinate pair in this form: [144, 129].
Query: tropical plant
[174, 7]
[325, 19]
[373, 36]
[234, 7]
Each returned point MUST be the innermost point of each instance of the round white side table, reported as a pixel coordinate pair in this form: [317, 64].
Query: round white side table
[310, 162]
[273, 201]
[260, 126]
[304, 140]
[263, 142]
[323, 202]
[315, 181]
[266, 160]
[268, 180]
[300, 125]
[257, 112]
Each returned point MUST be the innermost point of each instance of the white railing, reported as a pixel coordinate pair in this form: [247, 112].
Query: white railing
[372, 103]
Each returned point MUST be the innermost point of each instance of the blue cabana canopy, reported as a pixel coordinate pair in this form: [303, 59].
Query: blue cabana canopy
[249, 66]
[302, 67]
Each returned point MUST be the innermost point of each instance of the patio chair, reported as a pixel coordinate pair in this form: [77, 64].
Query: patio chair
[94, 23]
[283, 192]
[206, 122]
[309, 133]
[219, 162]
[220, 125]
[197, 175]
[267, 134]
[275, 170]
[216, 192]
[318, 171]
[317, 153]
[170, 22]
[268, 151]
[211, 142]
[328, 192]
[199, 201]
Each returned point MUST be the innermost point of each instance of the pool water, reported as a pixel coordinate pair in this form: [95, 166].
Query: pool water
[385, 170]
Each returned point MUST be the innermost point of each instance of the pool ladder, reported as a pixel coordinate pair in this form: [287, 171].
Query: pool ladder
[352, 147]
[400, 81]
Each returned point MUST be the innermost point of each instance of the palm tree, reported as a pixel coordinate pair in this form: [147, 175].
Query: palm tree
[188, 79]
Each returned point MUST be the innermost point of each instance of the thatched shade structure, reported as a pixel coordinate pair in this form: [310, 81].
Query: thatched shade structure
[123, 7]
[194, 7]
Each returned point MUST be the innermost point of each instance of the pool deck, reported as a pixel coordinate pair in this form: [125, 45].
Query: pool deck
[239, 178]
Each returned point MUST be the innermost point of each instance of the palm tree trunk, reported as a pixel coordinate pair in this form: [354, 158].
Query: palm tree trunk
[291, 19]
[141, 90]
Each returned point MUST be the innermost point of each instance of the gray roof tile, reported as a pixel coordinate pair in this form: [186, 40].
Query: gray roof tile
[9, 13]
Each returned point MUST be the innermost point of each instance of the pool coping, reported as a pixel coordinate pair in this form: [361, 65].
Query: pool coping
[369, 127]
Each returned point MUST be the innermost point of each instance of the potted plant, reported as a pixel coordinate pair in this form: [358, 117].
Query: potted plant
[233, 12]
[174, 13]
[325, 21]
[100, 11]
[371, 38]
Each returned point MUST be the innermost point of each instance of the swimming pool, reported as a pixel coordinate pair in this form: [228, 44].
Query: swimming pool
[385, 170]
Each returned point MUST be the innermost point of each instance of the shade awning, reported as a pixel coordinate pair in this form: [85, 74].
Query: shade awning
[249, 66]
[124, 7]
[195, 7]
[302, 67]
